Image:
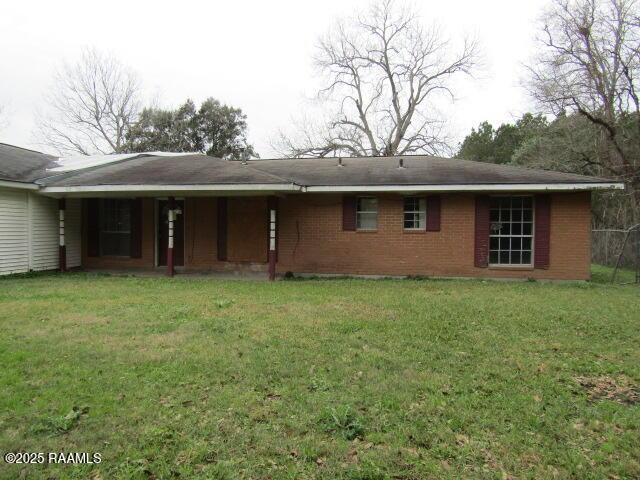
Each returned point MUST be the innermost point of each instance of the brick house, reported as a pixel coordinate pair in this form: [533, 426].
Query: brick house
[415, 215]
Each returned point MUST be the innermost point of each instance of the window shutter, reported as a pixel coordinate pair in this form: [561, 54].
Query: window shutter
[222, 229]
[93, 227]
[349, 213]
[542, 231]
[136, 227]
[433, 213]
[481, 253]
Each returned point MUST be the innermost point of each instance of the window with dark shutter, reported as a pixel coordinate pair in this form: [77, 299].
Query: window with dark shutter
[542, 236]
[481, 251]
[349, 213]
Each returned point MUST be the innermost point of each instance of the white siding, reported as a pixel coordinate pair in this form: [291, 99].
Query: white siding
[44, 232]
[73, 232]
[14, 232]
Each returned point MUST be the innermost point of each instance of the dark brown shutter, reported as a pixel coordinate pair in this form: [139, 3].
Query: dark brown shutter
[135, 206]
[481, 252]
[349, 213]
[433, 213]
[222, 229]
[542, 231]
[93, 227]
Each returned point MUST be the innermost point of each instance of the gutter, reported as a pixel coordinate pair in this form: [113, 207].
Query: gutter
[501, 187]
[18, 185]
[230, 187]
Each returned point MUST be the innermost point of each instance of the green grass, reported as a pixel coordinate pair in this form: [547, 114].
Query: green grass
[356, 379]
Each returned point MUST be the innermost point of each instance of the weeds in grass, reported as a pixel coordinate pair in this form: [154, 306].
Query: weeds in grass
[57, 425]
[344, 421]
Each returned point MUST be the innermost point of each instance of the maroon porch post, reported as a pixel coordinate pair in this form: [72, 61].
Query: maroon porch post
[272, 204]
[171, 204]
[62, 249]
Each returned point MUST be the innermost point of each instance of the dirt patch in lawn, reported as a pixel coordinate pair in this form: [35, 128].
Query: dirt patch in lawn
[620, 389]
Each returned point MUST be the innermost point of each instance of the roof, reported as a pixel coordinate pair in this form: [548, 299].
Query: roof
[193, 169]
[19, 164]
[79, 162]
[320, 174]
[416, 170]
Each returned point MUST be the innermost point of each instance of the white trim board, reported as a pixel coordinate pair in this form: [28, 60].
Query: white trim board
[242, 187]
[503, 187]
[245, 187]
[18, 185]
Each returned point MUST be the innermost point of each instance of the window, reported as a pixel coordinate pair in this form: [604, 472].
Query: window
[115, 231]
[367, 213]
[415, 213]
[511, 234]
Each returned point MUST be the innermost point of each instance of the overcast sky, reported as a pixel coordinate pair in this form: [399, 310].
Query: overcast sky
[255, 55]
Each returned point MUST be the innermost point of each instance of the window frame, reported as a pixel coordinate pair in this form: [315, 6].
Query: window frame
[102, 230]
[366, 212]
[419, 211]
[510, 236]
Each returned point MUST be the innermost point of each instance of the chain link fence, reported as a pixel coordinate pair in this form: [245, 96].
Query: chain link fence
[619, 248]
[606, 246]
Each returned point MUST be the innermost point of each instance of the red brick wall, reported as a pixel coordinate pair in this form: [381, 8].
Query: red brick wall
[311, 239]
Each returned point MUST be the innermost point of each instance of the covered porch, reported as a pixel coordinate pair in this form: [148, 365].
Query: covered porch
[175, 233]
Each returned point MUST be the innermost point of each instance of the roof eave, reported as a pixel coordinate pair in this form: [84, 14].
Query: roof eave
[18, 185]
[186, 188]
[488, 187]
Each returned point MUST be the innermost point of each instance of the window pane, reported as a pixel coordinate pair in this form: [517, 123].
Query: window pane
[504, 257]
[516, 215]
[515, 258]
[526, 229]
[494, 215]
[527, 215]
[366, 204]
[516, 243]
[367, 221]
[493, 257]
[526, 243]
[516, 229]
[526, 202]
[494, 243]
[526, 258]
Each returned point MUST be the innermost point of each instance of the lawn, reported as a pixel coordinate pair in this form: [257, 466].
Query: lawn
[358, 379]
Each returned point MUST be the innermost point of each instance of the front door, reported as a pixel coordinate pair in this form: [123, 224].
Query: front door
[163, 233]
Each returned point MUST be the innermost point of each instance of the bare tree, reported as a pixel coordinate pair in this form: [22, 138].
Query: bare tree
[385, 73]
[589, 64]
[91, 105]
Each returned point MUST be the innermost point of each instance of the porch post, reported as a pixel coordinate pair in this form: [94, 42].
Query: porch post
[273, 245]
[62, 249]
[171, 216]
